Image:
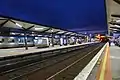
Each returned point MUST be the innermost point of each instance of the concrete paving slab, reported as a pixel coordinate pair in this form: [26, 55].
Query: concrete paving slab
[115, 62]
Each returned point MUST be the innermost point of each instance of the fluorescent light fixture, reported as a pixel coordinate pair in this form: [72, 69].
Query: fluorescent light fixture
[52, 30]
[36, 37]
[22, 34]
[111, 28]
[12, 37]
[25, 37]
[39, 28]
[68, 33]
[117, 20]
[18, 25]
[61, 32]
[33, 35]
[114, 29]
[85, 32]
[12, 33]
[32, 32]
[117, 26]
[39, 35]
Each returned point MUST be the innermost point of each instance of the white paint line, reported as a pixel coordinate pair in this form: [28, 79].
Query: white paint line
[70, 65]
[83, 75]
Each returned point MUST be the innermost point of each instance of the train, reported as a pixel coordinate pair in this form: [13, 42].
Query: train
[14, 42]
[41, 42]
[38, 42]
[72, 41]
[10, 42]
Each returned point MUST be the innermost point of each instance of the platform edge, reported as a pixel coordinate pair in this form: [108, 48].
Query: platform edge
[83, 75]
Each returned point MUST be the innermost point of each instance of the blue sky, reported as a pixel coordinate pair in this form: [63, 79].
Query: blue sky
[75, 15]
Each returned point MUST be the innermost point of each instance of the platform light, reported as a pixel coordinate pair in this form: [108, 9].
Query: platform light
[117, 20]
[61, 32]
[114, 29]
[36, 37]
[12, 37]
[39, 35]
[117, 26]
[18, 25]
[33, 32]
[111, 28]
[68, 33]
[12, 33]
[39, 28]
[52, 30]
[90, 35]
[85, 32]
[26, 38]
[22, 34]
[61, 41]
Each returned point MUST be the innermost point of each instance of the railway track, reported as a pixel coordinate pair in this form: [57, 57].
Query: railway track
[33, 64]
[68, 69]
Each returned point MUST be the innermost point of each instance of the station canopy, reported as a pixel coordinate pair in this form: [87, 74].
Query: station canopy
[115, 25]
[114, 16]
[79, 16]
[18, 26]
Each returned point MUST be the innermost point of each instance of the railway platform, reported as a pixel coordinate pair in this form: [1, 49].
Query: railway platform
[99, 68]
[100, 63]
[111, 70]
[22, 51]
[53, 67]
[107, 66]
[115, 62]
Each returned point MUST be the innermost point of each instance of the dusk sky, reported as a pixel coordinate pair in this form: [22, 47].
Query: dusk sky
[75, 15]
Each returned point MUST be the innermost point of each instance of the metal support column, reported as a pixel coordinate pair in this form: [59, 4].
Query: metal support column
[25, 36]
[60, 40]
[67, 39]
[52, 39]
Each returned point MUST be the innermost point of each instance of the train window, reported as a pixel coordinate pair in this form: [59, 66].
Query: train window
[11, 40]
[28, 41]
[39, 41]
[1, 40]
[21, 40]
[44, 41]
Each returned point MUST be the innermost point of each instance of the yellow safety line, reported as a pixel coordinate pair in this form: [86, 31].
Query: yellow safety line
[102, 75]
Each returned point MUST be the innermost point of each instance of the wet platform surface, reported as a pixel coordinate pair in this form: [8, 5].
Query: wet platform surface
[102, 69]
[115, 62]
